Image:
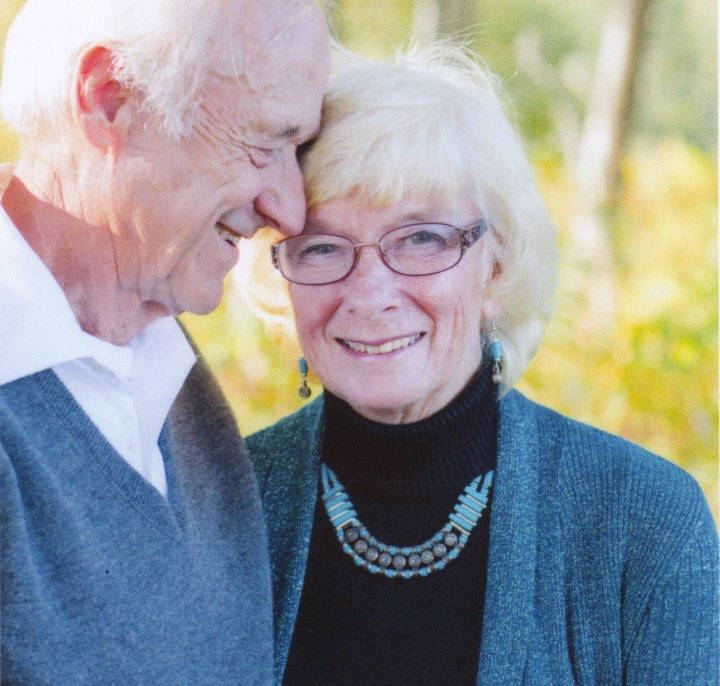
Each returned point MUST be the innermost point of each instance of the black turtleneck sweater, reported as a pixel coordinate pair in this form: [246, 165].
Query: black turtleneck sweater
[354, 627]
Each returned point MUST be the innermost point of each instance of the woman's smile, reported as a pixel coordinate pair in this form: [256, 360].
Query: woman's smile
[381, 347]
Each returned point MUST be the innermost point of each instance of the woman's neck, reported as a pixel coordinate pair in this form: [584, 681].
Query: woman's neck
[443, 452]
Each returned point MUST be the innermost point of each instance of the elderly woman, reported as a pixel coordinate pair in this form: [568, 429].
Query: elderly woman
[429, 525]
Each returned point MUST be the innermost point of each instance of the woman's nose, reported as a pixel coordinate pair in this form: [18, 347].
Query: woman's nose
[368, 258]
[371, 288]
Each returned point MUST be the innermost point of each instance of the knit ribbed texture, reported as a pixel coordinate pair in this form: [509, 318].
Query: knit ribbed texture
[603, 565]
[104, 581]
[404, 481]
[437, 455]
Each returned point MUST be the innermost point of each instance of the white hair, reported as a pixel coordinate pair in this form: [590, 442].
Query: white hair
[430, 124]
[164, 49]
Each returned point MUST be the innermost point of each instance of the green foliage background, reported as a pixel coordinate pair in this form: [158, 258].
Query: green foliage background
[652, 375]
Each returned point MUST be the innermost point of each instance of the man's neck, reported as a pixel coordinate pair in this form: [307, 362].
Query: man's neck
[81, 257]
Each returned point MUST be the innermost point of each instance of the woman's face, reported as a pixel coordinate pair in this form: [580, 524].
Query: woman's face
[396, 348]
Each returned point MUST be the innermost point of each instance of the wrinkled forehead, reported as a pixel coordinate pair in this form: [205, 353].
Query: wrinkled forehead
[265, 32]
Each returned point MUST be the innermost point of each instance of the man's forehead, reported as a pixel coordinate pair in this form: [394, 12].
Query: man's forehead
[299, 17]
[283, 66]
[261, 28]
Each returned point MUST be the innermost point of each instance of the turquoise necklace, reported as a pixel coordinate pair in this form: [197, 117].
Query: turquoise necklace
[403, 562]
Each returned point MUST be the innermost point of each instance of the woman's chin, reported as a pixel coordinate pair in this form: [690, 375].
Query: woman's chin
[395, 399]
[373, 403]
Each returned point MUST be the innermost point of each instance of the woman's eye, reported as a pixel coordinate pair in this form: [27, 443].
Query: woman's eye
[425, 237]
[318, 250]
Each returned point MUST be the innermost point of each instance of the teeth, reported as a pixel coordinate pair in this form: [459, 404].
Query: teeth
[228, 235]
[384, 348]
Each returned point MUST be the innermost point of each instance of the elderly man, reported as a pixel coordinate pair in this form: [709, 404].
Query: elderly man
[155, 135]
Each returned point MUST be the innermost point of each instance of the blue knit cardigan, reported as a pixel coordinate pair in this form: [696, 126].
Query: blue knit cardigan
[603, 562]
[103, 581]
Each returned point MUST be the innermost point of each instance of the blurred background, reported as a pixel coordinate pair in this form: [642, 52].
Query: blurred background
[617, 101]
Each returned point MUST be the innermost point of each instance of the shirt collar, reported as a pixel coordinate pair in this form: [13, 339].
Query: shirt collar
[38, 328]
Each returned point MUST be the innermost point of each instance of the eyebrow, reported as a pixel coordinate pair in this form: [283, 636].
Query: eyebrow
[420, 216]
[293, 131]
[289, 132]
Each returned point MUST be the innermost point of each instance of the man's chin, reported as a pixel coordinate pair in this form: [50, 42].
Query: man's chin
[201, 303]
[206, 307]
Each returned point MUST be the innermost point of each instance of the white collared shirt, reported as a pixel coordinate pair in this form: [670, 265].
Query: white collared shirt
[127, 391]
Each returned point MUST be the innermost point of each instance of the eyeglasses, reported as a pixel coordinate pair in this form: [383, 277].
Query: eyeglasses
[315, 259]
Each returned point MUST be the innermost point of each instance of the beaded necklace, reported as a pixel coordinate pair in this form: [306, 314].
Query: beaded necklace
[389, 560]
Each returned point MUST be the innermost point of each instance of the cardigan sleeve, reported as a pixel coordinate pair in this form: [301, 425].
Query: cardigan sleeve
[677, 638]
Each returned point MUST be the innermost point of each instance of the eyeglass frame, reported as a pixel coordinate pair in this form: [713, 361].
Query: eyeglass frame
[468, 237]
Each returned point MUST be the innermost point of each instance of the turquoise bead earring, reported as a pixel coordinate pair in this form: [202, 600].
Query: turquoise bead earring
[304, 391]
[496, 354]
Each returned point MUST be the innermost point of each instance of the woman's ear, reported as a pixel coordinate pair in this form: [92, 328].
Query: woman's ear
[491, 307]
[102, 104]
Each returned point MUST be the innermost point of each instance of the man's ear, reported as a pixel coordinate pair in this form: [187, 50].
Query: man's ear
[102, 104]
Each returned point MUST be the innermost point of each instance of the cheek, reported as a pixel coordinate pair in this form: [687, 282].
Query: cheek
[457, 332]
[311, 314]
[469, 325]
[458, 319]
[163, 253]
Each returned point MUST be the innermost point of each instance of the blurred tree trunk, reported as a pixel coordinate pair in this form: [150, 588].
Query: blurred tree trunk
[443, 19]
[609, 103]
[600, 148]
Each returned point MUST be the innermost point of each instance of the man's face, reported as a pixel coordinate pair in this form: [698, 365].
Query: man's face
[180, 209]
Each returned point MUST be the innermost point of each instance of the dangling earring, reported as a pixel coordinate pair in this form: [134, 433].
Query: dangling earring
[496, 354]
[304, 391]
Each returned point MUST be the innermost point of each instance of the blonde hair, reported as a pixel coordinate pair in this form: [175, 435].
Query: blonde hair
[431, 123]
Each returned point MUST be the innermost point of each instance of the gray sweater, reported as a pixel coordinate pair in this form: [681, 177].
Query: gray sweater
[106, 582]
[603, 559]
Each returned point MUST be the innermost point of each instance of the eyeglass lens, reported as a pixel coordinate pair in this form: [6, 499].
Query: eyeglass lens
[413, 250]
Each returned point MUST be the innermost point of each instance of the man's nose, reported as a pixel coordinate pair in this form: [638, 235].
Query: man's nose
[282, 199]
